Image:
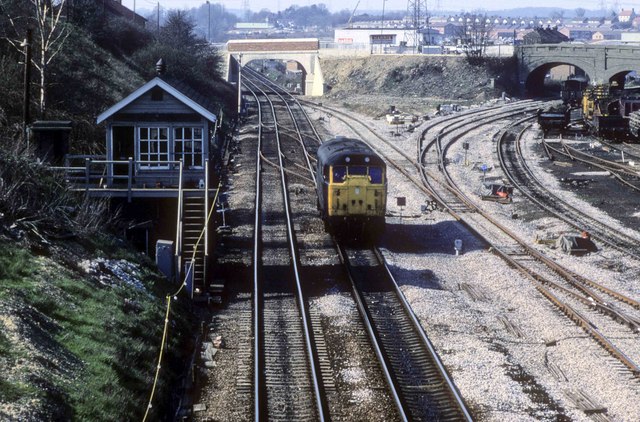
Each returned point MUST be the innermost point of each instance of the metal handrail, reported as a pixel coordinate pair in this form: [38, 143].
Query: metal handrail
[86, 174]
[206, 215]
[178, 253]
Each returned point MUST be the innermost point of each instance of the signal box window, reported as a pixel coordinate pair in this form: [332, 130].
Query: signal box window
[187, 145]
[375, 174]
[339, 174]
[154, 147]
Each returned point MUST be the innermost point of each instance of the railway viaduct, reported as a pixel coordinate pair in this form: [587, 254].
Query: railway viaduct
[600, 63]
[302, 50]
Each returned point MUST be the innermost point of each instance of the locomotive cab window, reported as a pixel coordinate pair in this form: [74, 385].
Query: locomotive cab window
[375, 174]
[339, 174]
[357, 171]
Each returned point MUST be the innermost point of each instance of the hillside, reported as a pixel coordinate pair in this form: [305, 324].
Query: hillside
[81, 311]
[413, 83]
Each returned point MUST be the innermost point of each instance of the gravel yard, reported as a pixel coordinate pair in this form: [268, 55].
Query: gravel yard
[512, 354]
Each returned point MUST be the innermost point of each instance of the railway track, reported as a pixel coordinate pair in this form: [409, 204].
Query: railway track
[626, 174]
[426, 389]
[570, 295]
[421, 386]
[287, 381]
[507, 244]
[521, 176]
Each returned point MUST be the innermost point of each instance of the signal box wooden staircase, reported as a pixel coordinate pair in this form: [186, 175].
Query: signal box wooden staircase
[194, 237]
[192, 240]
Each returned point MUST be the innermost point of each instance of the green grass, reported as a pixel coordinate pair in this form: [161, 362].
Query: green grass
[114, 351]
[14, 263]
[13, 391]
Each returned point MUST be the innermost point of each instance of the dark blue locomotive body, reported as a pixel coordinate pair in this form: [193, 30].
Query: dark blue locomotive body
[351, 183]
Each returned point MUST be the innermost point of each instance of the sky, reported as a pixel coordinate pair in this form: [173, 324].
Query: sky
[336, 5]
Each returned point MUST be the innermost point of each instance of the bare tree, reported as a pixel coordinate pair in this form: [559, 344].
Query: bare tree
[474, 34]
[51, 32]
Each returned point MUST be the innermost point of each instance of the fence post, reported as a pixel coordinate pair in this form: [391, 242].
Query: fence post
[87, 172]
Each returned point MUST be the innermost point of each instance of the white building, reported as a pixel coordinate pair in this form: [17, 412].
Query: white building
[385, 37]
[630, 37]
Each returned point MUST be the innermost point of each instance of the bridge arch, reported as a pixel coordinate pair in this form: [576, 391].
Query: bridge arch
[620, 76]
[600, 63]
[535, 83]
[303, 50]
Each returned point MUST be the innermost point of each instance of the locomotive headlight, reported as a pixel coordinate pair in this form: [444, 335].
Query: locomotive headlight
[347, 159]
[357, 191]
[366, 159]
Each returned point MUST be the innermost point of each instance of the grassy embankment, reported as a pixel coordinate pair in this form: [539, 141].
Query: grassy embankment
[70, 347]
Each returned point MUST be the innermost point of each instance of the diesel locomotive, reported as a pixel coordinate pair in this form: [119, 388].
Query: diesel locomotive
[607, 109]
[351, 183]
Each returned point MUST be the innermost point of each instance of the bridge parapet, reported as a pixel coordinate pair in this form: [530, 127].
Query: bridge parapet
[302, 50]
[601, 63]
[280, 45]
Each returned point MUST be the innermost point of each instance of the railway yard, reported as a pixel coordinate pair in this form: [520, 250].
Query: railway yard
[467, 308]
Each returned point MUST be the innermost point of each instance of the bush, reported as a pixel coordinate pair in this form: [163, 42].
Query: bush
[39, 200]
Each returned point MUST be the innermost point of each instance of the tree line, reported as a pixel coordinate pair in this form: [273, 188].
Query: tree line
[84, 59]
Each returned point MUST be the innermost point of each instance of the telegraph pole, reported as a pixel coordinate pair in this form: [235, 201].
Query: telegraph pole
[209, 22]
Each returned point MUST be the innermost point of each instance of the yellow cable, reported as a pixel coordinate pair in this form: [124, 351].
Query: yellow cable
[166, 318]
[164, 338]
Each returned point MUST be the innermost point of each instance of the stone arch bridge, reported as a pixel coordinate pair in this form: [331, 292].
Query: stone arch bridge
[302, 50]
[600, 63]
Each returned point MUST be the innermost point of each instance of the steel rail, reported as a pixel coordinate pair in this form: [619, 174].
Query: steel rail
[366, 320]
[572, 222]
[425, 175]
[615, 169]
[257, 248]
[538, 281]
[432, 351]
[295, 100]
[311, 352]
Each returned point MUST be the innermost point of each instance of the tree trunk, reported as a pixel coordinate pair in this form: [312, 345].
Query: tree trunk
[43, 92]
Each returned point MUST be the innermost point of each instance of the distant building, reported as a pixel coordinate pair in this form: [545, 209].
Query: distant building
[581, 34]
[253, 26]
[626, 15]
[452, 30]
[630, 37]
[544, 36]
[605, 35]
[431, 36]
[391, 37]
